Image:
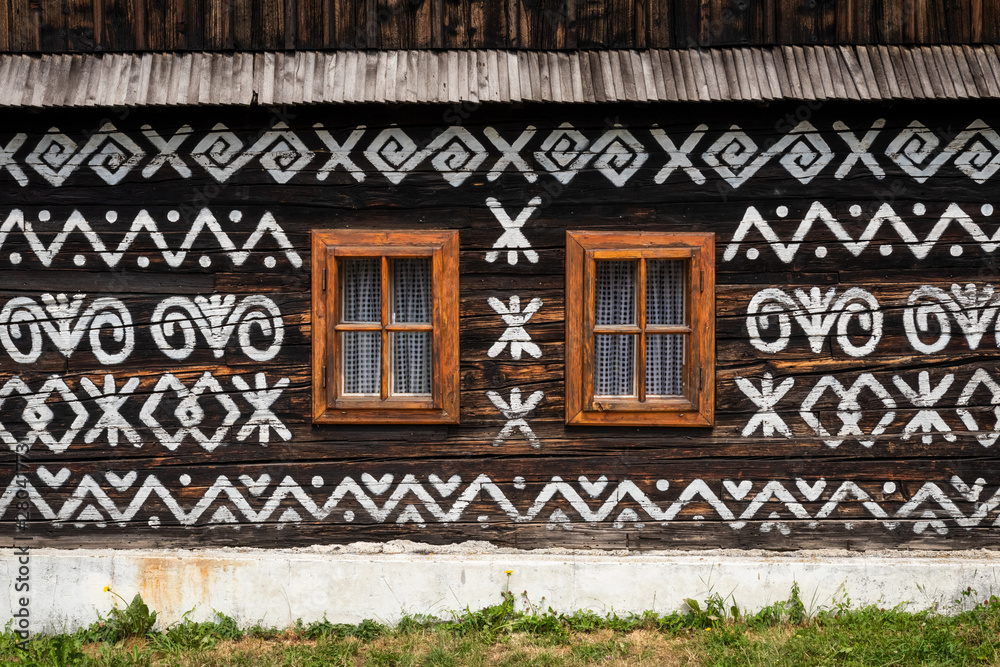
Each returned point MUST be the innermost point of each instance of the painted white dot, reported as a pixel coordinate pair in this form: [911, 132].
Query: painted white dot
[662, 485]
[348, 516]
[855, 210]
[956, 250]
[821, 251]
[185, 479]
[482, 518]
[889, 487]
[698, 517]
[885, 250]
[111, 216]
[154, 522]
[317, 481]
[919, 209]
[519, 482]
[173, 216]
[143, 261]
[79, 260]
[752, 253]
[782, 211]
[205, 261]
[44, 216]
[987, 209]
[235, 216]
[270, 262]
[15, 258]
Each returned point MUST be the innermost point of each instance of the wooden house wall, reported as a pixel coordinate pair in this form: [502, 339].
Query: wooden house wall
[196, 25]
[155, 326]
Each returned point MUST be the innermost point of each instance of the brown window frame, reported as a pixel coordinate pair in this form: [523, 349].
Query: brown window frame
[329, 405]
[696, 407]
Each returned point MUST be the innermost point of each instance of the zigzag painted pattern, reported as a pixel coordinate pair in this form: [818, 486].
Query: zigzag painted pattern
[206, 229]
[456, 153]
[819, 216]
[420, 501]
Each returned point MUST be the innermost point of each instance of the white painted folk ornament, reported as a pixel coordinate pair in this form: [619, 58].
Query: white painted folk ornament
[65, 322]
[206, 233]
[100, 499]
[819, 216]
[456, 153]
[203, 413]
[515, 335]
[816, 312]
[512, 239]
[924, 395]
[515, 411]
[216, 318]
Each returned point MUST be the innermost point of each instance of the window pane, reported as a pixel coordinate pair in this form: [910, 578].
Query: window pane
[665, 365]
[361, 289]
[411, 362]
[665, 291]
[411, 289]
[362, 361]
[614, 372]
[615, 296]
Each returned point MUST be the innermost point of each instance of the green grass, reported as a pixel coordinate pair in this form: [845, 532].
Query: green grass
[518, 633]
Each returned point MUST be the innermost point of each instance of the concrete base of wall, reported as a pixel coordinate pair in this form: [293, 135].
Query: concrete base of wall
[386, 581]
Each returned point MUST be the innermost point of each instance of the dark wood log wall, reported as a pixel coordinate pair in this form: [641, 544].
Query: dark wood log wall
[155, 327]
[195, 25]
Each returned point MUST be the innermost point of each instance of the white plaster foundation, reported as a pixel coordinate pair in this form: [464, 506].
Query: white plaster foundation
[385, 581]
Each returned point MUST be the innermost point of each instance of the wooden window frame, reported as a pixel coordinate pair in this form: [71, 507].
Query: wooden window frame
[329, 405]
[696, 407]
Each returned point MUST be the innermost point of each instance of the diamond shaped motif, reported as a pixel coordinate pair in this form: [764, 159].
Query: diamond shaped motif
[807, 157]
[112, 154]
[52, 157]
[912, 150]
[619, 155]
[394, 153]
[285, 156]
[564, 153]
[459, 154]
[731, 156]
[980, 161]
[189, 412]
[220, 153]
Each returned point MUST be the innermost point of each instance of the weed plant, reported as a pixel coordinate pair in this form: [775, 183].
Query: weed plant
[518, 631]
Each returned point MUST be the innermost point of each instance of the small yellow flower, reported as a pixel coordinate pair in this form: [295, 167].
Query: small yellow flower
[508, 571]
[107, 588]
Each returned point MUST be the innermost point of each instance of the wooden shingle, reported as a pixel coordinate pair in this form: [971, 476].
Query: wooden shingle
[308, 77]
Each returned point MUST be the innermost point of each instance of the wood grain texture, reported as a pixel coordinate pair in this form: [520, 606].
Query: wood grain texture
[55, 26]
[685, 486]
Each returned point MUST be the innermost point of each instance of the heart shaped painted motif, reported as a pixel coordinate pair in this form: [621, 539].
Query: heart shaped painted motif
[444, 488]
[812, 493]
[53, 481]
[738, 491]
[377, 486]
[593, 489]
[256, 486]
[121, 484]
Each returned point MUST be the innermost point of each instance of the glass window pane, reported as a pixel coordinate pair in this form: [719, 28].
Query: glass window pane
[361, 289]
[615, 293]
[412, 298]
[665, 291]
[411, 362]
[614, 372]
[665, 365]
[362, 361]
